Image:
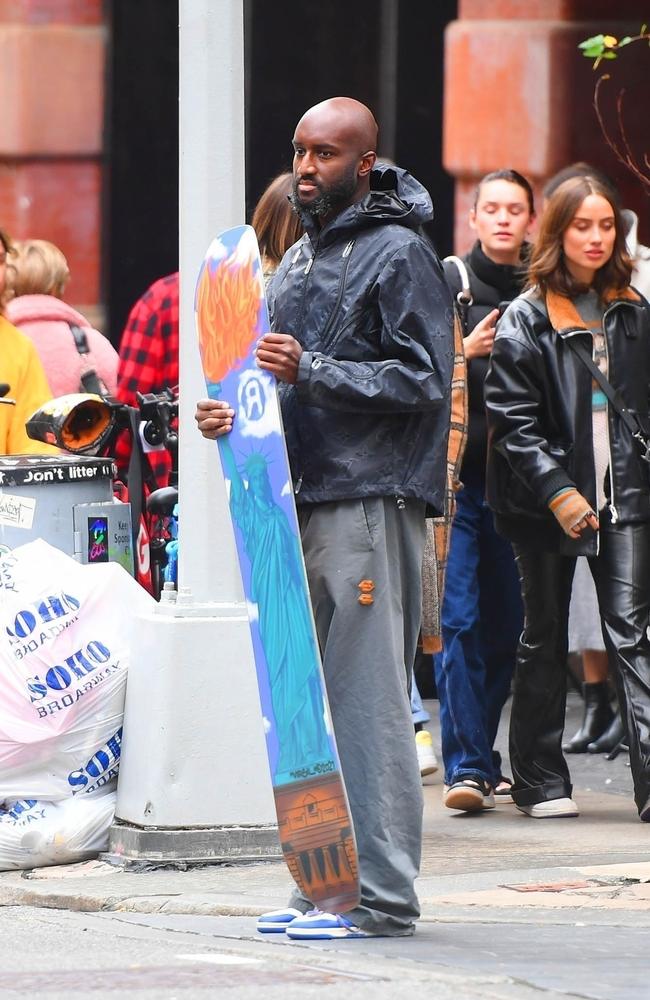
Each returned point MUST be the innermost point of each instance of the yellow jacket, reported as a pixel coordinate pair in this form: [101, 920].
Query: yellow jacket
[21, 369]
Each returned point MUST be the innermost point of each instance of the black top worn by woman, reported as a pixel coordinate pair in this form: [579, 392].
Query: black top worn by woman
[490, 285]
[539, 406]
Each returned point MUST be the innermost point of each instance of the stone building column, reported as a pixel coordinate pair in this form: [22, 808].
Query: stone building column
[519, 94]
[51, 131]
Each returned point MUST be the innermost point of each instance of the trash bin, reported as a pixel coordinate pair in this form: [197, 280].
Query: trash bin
[68, 501]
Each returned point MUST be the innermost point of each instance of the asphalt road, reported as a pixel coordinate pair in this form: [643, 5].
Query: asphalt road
[60, 955]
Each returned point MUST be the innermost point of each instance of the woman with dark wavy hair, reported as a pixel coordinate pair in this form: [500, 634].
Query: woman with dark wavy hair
[568, 475]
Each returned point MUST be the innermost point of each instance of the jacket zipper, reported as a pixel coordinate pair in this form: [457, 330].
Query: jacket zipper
[347, 250]
[306, 272]
[307, 269]
[573, 334]
[612, 506]
[345, 256]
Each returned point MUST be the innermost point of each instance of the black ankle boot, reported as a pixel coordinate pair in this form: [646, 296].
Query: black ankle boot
[598, 716]
[610, 738]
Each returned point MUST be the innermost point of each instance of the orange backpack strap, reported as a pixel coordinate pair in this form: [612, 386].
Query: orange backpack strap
[438, 529]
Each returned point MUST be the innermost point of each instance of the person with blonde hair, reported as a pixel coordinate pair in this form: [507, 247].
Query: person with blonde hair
[67, 344]
[568, 476]
[22, 377]
[38, 267]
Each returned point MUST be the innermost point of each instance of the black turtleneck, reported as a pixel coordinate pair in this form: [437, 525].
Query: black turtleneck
[504, 279]
[491, 284]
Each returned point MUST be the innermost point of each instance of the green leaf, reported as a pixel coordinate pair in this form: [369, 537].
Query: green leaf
[625, 41]
[590, 42]
[595, 39]
[593, 53]
[609, 55]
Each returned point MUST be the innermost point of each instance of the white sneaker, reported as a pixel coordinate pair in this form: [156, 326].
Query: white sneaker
[551, 809]
[426, 757]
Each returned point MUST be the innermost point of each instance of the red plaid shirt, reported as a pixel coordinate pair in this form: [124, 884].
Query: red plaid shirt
[149, 360]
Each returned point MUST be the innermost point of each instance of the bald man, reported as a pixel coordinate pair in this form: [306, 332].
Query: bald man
[363, 353]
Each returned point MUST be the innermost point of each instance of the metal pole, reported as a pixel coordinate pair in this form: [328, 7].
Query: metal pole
[194, 776]
[388, 42]
[212, 193]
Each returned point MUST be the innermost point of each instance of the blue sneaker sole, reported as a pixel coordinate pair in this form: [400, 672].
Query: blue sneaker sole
[309, 934]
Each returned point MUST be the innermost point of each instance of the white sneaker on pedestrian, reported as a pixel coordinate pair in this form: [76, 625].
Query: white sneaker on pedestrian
[550, 809]
[426, 757]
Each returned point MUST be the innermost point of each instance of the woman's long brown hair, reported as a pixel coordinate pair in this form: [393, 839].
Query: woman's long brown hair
[548, 269]
[276, 225]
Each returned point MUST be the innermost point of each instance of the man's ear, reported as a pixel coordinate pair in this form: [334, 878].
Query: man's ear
[366, 163]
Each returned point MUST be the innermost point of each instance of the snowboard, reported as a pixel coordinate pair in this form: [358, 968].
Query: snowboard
[314, 822]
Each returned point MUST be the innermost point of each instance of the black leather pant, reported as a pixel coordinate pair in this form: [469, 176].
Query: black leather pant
[621, 572]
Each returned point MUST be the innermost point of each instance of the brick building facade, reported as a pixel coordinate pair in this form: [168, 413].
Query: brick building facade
[52, 55]
[516, 93]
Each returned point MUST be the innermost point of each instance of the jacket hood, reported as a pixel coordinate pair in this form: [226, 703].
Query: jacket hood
[395, 197]
[36, 308]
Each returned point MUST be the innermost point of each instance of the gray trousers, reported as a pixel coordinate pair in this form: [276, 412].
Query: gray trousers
[368, 653]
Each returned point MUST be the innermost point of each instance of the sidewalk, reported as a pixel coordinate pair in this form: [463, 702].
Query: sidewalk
[495, 867]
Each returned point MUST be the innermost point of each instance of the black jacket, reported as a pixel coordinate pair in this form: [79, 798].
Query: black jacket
[539, 407]
[366, 299]
[490, 285]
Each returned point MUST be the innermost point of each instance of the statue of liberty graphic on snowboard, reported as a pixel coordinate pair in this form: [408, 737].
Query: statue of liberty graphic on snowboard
[314, 821]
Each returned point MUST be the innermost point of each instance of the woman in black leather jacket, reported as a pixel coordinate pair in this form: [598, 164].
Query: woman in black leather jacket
[567, 478]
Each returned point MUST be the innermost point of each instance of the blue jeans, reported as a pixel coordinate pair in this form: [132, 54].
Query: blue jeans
[418, 711]
[482, 620]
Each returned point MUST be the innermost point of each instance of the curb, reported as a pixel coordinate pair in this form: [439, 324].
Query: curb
[614, 894]
[75, 902]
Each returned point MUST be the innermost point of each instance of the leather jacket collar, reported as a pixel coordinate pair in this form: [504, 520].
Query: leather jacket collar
[563, 314]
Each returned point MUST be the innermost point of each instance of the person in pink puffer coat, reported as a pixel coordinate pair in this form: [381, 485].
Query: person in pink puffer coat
[36, 277]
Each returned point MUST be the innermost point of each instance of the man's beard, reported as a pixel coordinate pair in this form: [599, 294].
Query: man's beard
[330, 199]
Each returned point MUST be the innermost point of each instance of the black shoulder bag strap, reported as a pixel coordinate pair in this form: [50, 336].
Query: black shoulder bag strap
[613, 395]
[90, 381]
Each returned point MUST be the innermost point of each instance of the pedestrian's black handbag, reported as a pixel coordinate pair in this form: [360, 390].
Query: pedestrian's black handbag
[630, 419]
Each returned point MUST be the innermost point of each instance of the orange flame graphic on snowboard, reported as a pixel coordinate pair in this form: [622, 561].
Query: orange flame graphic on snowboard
[227, 306]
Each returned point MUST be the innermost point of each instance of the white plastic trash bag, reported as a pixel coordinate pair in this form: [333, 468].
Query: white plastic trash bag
[65, 631]
[65, 634]
[34, 834]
